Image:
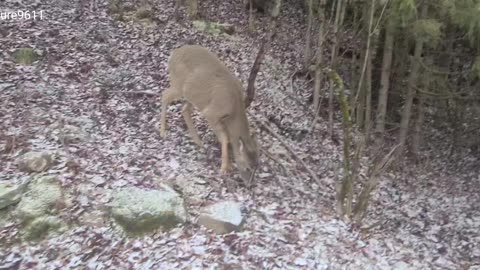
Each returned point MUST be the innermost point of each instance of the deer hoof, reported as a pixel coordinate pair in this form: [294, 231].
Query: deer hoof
[161, 131]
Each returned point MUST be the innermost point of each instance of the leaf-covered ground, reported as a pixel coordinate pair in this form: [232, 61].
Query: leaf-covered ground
[423, 217]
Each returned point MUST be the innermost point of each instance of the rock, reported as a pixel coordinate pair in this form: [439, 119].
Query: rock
[40, 201]
[214, 28]
[192, 188]
[140, 210]
[69, 133]
[144, 12]
[42, 196]
[223, 217]
[35, 162]
[25, 56]
[5, 217]
[39, 227]
[10, 195]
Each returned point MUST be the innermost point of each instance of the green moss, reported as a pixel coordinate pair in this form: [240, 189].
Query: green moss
[116, 10]
[214, 28]
[140, 211]
[476, 67]
[41, 197]
[428, 30]
[4, 217]
[115, 7]
[144, 12]
[25, 56]
[40, 227]
[147, 223]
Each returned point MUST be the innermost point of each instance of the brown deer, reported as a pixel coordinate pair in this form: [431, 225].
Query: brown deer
[202, 80]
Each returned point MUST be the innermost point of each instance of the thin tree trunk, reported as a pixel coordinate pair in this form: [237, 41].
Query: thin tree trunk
[411, 84]
[368, 97]
[354, 65]
[319, 58]
[342, 12]
[308, 48]
[384, 81]
[417, 135]
[361, 97]
[333, 64]
[250, 16]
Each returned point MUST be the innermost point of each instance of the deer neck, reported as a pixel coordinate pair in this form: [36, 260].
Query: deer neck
[237, 127]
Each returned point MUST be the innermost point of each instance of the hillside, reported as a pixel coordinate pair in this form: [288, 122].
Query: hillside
[98, 81]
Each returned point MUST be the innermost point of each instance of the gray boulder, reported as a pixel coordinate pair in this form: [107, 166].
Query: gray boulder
[41, 197]
[139, 210]
[214, 28]
[35, 162]
[10, 195]
[38, 206]
[223, 217]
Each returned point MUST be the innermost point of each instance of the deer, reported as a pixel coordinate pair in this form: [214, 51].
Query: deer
[199, 78]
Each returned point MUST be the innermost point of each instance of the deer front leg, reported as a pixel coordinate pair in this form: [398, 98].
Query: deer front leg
[215, 121]
[223, 138]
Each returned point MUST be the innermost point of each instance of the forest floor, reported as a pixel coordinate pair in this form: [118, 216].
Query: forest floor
[422, 217]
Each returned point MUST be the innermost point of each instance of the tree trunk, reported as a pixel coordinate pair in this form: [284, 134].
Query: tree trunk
[354, 64]
[417, 135]
[411, 85]
[384, 81]
[342, 12]
[319, 58]
[333, 63]
[368, 97]
[250, 16]
[361, 97]
[308, 48]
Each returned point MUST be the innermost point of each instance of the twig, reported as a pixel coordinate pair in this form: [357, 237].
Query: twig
[272, 157]
[312, 174]
[148, 93]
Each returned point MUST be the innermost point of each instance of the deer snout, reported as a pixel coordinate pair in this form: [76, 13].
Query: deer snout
[246, 174]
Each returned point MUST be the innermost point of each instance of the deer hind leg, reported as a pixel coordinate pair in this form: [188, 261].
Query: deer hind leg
[168, 97]
[187, 115]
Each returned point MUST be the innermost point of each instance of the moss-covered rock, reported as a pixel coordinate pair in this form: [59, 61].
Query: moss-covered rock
[144, 12]
[9, 195]
[25, 56]
[139, 211]
[41, 198]
[39, 227]
[37, 208]
[5, 217]
[214, 28]
[35, 161]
